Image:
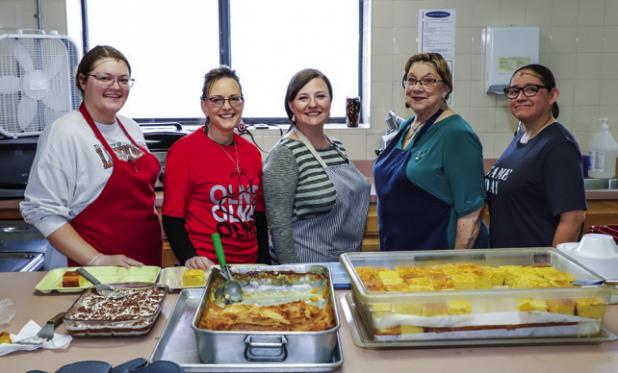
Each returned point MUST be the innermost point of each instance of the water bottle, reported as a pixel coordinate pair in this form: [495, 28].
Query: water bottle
[603, 151]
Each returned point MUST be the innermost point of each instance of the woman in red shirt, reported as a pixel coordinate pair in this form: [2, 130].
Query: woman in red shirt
[213, 183]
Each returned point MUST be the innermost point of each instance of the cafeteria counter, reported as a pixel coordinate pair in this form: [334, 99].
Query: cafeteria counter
[19, 287]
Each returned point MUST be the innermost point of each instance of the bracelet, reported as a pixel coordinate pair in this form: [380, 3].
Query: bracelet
[94, 259]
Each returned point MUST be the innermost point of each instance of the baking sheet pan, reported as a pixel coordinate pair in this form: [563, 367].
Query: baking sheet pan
[362, 339]
[177, 343]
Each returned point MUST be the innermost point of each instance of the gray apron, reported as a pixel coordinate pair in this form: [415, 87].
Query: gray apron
[322, 238]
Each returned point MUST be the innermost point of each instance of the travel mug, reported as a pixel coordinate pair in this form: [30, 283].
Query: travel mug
[352, 111]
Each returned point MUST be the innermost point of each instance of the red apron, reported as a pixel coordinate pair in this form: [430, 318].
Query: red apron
[123, 219]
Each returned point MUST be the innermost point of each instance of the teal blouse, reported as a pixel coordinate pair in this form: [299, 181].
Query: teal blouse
[447, 162]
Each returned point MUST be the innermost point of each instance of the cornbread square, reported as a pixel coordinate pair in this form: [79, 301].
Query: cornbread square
[593, 308]
[527, 305]
[459, 307]
[408, 308]
[411, 329]
[563, 306]
[529, 281]
[390, 277]
[464, 281]
[193, 277]
[483, 279]
[497, 277]
[441, 282]
[556, 277]
[420, 284]
[510, 272]
[5, 338]
[407, 272]
[395, 330]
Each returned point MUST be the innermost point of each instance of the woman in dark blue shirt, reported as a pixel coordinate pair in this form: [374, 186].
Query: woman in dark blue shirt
[536, 189]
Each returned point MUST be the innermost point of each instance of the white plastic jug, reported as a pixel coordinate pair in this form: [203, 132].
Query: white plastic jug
[603, 151]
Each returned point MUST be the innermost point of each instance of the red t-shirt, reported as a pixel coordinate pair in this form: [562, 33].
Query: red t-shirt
[203, 187]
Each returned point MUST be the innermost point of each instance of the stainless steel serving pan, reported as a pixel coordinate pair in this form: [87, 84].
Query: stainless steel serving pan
[178, 343]
[235, 347]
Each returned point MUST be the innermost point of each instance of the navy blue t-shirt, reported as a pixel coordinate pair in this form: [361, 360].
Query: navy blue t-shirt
[531, 185]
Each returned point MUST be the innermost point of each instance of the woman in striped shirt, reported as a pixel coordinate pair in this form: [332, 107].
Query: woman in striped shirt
[316, 199]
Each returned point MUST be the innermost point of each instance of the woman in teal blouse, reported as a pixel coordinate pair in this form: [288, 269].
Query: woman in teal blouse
[429, 179]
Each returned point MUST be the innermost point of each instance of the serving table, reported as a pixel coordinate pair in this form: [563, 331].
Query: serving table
[19, 287]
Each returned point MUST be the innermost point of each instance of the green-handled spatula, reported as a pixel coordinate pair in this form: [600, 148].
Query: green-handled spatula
[232, 292]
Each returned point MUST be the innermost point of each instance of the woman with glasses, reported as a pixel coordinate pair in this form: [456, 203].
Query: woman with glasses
[429, 179]
[536, 188]
[316, 199]
[213, 183]
[91, 186]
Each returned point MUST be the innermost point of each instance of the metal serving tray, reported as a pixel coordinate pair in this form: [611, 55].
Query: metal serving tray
[235, 347]
[178, 343]
[362, 338]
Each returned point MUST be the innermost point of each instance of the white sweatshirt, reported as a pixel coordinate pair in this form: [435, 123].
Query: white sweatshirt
[71, 168]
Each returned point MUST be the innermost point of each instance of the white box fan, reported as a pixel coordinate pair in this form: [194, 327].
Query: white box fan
[36, 81]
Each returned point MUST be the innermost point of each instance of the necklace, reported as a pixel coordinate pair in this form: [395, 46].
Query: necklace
[413, 130]
[235, 162]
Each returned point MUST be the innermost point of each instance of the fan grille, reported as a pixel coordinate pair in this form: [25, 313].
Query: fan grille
[37, 85]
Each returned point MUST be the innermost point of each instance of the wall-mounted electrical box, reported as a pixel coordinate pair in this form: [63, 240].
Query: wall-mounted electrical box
[507, 49]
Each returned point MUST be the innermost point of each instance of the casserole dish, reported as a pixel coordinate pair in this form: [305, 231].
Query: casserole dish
[474, 307]
[267, 290]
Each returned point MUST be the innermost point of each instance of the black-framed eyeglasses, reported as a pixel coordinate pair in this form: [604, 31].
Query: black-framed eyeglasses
[427, 82]
[109, 79]
[219, 101]
[529, 90]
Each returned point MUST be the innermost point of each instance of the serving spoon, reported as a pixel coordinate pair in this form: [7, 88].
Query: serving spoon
[105, 290]
[232, 291]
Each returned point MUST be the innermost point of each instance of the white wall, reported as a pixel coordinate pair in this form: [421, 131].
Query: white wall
[579, 42]
[22, 14]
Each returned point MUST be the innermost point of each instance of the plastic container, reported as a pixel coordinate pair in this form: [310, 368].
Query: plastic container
[488, 309]
[603, 151]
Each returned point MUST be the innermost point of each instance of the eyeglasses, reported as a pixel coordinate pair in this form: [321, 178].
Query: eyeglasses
[219, 101]
[529, 90]
[424, 82]
[108, 80]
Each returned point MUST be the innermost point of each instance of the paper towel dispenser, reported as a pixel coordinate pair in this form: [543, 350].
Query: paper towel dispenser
[507, 49]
